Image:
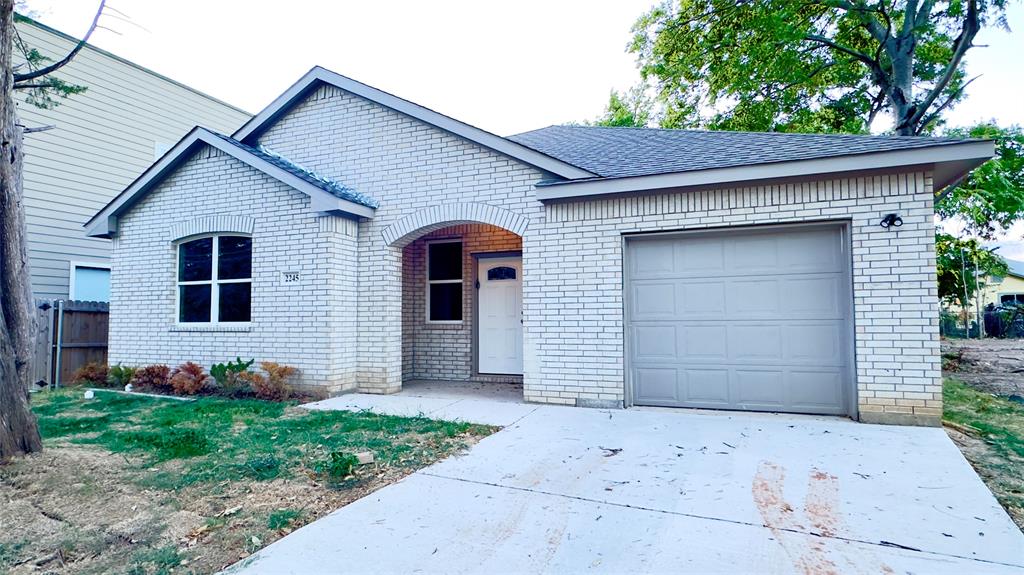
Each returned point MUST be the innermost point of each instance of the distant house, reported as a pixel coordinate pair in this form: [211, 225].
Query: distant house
[101, 141]
[1008, 290]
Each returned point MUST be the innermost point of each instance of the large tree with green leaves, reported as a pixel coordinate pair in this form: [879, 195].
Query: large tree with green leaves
[811, 66]
[21, 68]
[991, 197]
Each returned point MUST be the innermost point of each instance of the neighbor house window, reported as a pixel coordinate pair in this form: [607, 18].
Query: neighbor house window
[1012, 299]
[215, 280]
[444, 281]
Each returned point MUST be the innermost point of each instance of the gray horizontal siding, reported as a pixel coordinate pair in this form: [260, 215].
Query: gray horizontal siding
[103, 140]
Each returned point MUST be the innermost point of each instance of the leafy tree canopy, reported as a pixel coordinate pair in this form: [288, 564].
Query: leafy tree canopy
[991, 197]
[809, 66]
[631, 109]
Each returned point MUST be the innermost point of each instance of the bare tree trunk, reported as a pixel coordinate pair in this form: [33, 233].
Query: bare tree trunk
[19, 433]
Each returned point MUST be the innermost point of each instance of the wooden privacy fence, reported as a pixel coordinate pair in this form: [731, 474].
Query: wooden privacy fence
[71, 334]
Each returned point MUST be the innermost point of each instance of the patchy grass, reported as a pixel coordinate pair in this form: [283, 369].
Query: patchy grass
[133, 484]
[990, 432]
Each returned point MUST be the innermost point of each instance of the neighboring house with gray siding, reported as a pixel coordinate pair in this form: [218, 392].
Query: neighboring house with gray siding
[102, 140]
[370, 241]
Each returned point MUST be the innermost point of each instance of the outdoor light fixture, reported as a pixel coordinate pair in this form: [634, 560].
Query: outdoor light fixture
[891, 220]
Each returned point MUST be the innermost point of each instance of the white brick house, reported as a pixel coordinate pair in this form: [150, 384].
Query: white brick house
[370, 241]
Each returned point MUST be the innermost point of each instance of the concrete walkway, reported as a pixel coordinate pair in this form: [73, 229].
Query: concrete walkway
[567, 490]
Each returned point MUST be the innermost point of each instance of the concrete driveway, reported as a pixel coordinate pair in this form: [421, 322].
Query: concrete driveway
[566, 490]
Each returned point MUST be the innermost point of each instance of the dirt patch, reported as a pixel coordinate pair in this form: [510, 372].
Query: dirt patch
[989, 365]
[76, 509]
[1001, 472]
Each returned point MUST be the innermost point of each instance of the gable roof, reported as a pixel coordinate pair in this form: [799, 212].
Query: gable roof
[633, 159]
[1016, 267]
[326, 196]
[319, 76]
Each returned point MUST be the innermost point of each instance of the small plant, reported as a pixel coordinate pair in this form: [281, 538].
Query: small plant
[276, 385]
[262, 467]
[337, 466]
[227, 376]
[92, 373]
[154, 377]
[188, 378]
[120, 375]
[282, 518]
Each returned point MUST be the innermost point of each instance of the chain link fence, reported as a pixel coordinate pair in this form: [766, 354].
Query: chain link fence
[993, 321]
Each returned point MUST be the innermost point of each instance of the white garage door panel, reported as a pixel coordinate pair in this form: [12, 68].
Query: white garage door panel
[753, 320]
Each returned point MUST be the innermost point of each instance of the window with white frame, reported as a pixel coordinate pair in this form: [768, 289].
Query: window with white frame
[215, 279]
[444, 281]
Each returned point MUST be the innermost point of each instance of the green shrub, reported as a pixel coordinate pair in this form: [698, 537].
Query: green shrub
[188, 379]
[152, 377]
[120, 375]
[92, 373]
[227, 377]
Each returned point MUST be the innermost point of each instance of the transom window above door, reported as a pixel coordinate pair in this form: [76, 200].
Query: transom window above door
[444, 281]
[215, 280]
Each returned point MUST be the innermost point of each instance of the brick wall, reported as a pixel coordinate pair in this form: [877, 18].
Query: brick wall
[445, 351]
[408, 166]
[345, 327]
[573, 299]
[291, 324]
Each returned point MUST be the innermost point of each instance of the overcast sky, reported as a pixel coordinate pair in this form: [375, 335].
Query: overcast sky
[505, 67]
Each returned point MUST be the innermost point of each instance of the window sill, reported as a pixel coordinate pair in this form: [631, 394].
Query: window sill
[211, 327]
[444, 325]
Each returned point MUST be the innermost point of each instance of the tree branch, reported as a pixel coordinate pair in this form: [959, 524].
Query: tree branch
[934, 115]
[969, 29]
[61, 63]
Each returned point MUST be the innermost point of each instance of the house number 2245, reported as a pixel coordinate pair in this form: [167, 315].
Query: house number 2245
[290, 277]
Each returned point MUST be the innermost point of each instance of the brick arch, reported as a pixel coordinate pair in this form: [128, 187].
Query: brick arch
[426, 220]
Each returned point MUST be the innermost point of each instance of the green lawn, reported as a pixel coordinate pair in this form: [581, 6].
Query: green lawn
[997, 452]
[146, 485]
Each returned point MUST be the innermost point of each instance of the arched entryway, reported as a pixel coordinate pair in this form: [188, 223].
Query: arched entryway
[461, 285]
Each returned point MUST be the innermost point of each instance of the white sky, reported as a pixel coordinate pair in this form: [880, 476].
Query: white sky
[505, 67]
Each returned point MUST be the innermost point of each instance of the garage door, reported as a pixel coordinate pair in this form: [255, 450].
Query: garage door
[755, 319]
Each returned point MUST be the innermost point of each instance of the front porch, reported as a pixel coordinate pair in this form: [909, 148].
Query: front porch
[487, 403]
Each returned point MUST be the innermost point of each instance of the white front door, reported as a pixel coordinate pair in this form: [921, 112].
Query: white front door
[500, 335]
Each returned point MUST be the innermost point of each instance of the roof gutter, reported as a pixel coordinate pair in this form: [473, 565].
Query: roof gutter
[950, 163]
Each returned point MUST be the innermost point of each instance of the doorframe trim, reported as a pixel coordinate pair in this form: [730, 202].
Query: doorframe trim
[845, 225]
[475, 331]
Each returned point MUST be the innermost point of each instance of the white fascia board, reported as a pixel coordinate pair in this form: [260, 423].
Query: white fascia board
[968, 154]
[104, 223]
[446, 123]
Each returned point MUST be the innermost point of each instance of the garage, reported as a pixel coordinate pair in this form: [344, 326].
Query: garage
[754, 319]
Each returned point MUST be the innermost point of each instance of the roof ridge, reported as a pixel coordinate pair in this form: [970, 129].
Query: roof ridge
[749, 132]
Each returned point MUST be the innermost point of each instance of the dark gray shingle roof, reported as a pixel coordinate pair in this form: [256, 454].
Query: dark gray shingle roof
[622, 152]
[328, 185]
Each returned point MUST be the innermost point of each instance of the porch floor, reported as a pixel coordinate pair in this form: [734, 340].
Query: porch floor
[488, 403]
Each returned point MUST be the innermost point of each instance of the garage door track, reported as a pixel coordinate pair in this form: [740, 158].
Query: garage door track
[567, 490]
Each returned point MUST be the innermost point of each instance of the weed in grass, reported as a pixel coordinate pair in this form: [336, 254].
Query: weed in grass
[160, 561]
[282, 518]
[261, 467]
[10, 553]
[337, 466]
